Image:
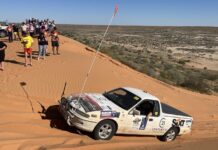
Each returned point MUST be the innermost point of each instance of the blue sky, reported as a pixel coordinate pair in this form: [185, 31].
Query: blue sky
[131, 12]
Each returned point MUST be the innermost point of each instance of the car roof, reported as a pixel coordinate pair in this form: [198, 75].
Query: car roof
[142, 94]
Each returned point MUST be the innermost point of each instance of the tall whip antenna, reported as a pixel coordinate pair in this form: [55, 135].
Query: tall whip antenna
[97, 51]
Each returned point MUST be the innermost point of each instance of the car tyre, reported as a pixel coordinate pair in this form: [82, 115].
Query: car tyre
[170, 135]
[105, 130]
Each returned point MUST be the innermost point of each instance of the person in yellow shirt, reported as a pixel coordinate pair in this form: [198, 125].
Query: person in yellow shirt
[27, 42]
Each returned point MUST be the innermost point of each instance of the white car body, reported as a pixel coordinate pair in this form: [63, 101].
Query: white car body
[126, 121]
[3, 27]
[3, 30]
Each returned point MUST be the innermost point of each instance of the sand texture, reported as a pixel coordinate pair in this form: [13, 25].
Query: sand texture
[28, 113]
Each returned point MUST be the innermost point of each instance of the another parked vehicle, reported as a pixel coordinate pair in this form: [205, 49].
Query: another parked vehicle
[3, 30]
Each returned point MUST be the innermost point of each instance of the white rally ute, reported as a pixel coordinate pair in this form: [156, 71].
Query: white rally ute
[124, 111]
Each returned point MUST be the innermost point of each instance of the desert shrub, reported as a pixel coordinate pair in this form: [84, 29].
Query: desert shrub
[173, 75]
[167, 66]
[170, 51]
[209, 75]
[197, 84]
[151, 72]
[120, 52]
[86, 41]
[216, 86]
[182, 62]
[114, 47]
[199, 81]
[170, 56]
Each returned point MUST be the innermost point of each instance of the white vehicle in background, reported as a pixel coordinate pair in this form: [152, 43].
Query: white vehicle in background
[3, 29]
[124, 111]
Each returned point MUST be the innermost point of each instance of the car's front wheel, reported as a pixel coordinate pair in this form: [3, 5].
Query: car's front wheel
[170, 135]
[105, 130]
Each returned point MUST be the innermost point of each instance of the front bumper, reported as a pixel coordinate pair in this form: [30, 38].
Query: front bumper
[77, 120]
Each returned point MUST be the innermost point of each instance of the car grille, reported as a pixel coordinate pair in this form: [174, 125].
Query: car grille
[67, 106]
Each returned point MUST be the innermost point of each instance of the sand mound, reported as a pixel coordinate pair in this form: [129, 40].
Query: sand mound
[29, 118]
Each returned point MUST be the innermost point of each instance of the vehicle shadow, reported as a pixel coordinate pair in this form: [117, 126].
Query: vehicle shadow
[56, 120]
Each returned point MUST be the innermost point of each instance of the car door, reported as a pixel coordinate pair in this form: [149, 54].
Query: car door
[134, 124]
[136, 120]
[145, 120]
[156, 122]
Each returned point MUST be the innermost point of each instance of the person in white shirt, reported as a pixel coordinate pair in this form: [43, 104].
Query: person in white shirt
[24, 28]
[32, 29]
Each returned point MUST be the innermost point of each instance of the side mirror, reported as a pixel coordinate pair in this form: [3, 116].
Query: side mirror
[135, 112]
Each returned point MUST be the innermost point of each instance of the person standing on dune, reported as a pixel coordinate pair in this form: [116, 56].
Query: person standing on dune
[55, 41]
[27, 42]
[31, 29]
[42, 42]
[16, 32]
[46, 34]
[3, 46]
[10, 33]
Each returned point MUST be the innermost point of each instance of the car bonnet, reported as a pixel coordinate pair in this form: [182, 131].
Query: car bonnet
[100, 103]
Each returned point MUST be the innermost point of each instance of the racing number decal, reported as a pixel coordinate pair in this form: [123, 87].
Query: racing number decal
[162, 122]
[178, 122]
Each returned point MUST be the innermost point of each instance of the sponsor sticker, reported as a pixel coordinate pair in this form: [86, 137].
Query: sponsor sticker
[188, 122]
[178, 122]
[115, 114]
[162, 122]
[105, 114]
[136, 98]
[139, 123]
[159, 129]
[143, 124]
[136, 123]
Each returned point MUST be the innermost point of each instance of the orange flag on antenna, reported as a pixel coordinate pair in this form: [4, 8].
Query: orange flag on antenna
[116, 10]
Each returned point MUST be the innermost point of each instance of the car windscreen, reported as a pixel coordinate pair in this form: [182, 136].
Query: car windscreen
[122, 98]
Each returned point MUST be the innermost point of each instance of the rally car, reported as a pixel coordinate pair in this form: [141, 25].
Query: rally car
[124, 111]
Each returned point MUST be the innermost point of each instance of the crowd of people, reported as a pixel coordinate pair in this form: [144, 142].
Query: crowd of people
[26, 33]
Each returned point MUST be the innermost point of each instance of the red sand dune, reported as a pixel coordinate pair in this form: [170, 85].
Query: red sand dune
[21, 124]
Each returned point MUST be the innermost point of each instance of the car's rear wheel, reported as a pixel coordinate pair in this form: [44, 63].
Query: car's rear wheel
[105, 130]
[170, 135]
